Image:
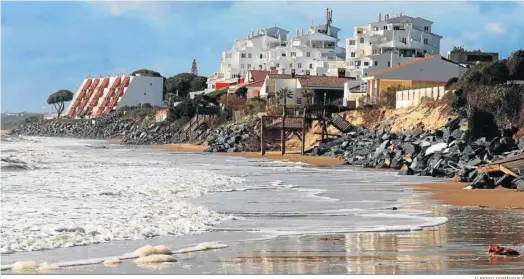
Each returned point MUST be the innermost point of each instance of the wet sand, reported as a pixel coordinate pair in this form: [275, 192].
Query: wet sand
[453, 193]
[456, 247]
[450, 193]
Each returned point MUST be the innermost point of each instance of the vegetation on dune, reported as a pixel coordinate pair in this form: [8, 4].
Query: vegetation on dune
[58, 99]
[485, 98]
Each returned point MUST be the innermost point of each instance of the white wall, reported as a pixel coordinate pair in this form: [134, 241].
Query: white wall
[143, 90]
[412, 97]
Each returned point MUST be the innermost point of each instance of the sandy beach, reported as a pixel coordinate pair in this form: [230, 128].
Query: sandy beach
[450, 193]
[419, 236]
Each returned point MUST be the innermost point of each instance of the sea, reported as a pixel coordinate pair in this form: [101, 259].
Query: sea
[75, 202]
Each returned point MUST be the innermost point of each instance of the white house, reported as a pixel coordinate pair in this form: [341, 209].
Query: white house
[431, 71]
[309, 52]
[409, 36]
[98, 96]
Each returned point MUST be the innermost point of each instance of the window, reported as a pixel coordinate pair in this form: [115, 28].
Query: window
[242, 66]
[260, 67]
[426, 28]
[261, 56]
[404, 40]
[351, 63]
[243, 55]
[290, 65]
[249, 66]
[389, 63]
[150, 84]
[145, 93]
[284, 54]
[385, 27]
[213, 86]
[299, 65]
[299, 101]
[425, 41]
[361, 40]
[249, 55]
[366, 63]
[375, 28]
[278, 65]
[308, 54]
[376, 63]
[353, 54]
[351, 42]
[293, 54]
[311, 66]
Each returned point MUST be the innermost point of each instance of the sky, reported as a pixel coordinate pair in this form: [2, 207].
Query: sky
[47, 46]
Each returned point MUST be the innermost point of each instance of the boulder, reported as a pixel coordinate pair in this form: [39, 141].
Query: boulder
[482, 181]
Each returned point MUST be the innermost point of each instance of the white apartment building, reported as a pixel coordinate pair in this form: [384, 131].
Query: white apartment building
[409, 37]
[311, 52]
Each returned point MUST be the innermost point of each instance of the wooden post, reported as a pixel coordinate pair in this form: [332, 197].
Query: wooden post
[302, 147]
[262, 140]
[283, 135]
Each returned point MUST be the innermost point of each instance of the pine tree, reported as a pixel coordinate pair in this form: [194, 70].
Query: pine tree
[194, 69]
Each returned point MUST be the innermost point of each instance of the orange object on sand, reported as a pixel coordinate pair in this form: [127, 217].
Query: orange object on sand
[496, 250]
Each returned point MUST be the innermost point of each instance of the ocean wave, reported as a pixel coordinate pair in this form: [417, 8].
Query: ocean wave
[13, 161]
[99, 196]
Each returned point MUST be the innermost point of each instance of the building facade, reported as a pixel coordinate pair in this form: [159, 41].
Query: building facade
[309, 52]
[408, 36]
[100, 96]
[462, 56]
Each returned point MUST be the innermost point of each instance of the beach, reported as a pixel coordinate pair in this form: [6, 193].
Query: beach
[276, 217]
[445, 191]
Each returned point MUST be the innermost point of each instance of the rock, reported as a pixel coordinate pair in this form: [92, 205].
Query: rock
[405, 170]
[436, 148]
[482, 181]
[519, 184]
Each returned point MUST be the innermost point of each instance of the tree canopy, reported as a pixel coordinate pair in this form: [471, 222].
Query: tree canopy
[185, 83]
[146, 72]
[483, 95]
[58, 99]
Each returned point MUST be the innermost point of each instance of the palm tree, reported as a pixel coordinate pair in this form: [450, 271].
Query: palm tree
[308, 94]
[284, 93]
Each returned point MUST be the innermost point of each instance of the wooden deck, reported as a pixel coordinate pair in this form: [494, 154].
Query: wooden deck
[512, 166]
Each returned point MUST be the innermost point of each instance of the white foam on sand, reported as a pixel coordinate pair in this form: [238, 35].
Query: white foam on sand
[145, 255]
[87, 195]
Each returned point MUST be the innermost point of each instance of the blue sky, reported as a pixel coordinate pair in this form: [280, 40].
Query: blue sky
[48, 46]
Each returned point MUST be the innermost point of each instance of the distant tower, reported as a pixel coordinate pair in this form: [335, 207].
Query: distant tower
[194, 69]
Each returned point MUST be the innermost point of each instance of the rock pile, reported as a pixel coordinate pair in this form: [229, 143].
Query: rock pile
[440, 153]
[234, 138]
[131, 131]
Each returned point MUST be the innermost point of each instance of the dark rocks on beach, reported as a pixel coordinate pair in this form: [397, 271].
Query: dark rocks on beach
[131, 131]
[441, 153]
[242, 137]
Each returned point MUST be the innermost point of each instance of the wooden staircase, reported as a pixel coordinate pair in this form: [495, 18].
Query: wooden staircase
[340, 123]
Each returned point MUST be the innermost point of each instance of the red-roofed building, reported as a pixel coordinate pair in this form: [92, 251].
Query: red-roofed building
[326, 89]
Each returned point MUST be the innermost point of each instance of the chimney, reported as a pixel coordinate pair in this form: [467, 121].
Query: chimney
[298, 32]
[379, 16]
[292, 73]
[341, 72]
[302, 31]
[386, 16]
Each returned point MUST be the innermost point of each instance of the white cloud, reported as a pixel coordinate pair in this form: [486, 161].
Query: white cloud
[495, 28]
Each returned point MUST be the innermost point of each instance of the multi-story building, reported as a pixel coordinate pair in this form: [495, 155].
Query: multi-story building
[311, 52]
[99, 96]
[471, 57]
[407, 36]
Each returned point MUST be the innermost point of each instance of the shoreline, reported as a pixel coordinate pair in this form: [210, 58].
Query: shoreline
[446, 192]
